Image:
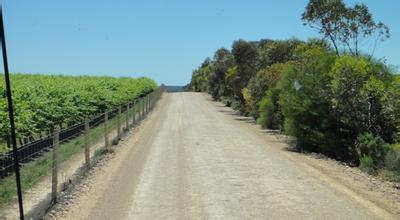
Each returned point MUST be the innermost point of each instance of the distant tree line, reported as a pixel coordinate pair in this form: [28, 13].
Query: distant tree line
[325, 92]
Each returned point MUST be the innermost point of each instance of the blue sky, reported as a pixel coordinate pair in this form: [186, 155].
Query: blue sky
[161, 39]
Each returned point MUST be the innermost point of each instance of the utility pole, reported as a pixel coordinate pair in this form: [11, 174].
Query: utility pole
[11, 115]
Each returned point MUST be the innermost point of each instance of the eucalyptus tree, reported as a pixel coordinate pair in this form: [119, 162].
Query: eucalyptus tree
[345, 27]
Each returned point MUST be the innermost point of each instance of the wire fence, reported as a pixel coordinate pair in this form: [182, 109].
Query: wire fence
[30, 151]
[51, 164]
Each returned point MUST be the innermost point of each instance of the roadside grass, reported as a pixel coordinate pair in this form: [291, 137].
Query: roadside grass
[390, 175]
[397, 147]
[34, 171]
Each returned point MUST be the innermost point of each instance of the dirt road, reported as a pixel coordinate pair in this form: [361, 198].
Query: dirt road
[193, 159]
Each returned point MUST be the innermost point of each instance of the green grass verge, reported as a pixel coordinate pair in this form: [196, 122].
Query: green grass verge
[391, 175]
[32, 172]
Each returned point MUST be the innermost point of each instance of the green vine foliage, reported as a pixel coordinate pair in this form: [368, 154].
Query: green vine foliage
[42, 102]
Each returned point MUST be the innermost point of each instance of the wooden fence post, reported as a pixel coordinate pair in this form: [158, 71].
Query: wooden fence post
[127, 117]
[106, 143]
[140, 109]
[134, 113]
[87, 144]
[143, 105]
[119, 123]
[152, 100]
[147, 103]
[54, 176]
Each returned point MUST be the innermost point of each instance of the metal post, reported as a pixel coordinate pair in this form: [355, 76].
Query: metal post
[87, 143]
[54, 176]
[119, 123]
[106, 143]
[11, 116]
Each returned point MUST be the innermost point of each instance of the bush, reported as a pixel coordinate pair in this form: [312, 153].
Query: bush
[237, 105]
[362, 100]
[367, 164]
[231, 102]
[373, 146]
[265, 79]
[226, 100]
[329, 101]
[270, 111]
[305, 103]
[392, 160]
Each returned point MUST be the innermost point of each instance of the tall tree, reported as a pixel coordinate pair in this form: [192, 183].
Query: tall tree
[344, 26]
[359, 24]
[223, 60]
[246, 58]
[327, 17]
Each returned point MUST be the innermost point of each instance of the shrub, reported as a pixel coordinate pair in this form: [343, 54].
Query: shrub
[362, 100]
[248, 103]
[392, 160]
[226, 100]
[367, 164]
[328, 102]
[237, 105]
[264, 80]
[373, 146]
[305, 102]
[231, 102]
[270, 111]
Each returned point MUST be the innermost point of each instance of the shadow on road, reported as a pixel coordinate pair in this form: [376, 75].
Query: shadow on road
[279, 136]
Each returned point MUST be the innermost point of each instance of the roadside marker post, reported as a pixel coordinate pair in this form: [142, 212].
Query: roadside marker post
[11, 116]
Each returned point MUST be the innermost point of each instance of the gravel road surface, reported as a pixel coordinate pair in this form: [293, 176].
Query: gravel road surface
[194, 159]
